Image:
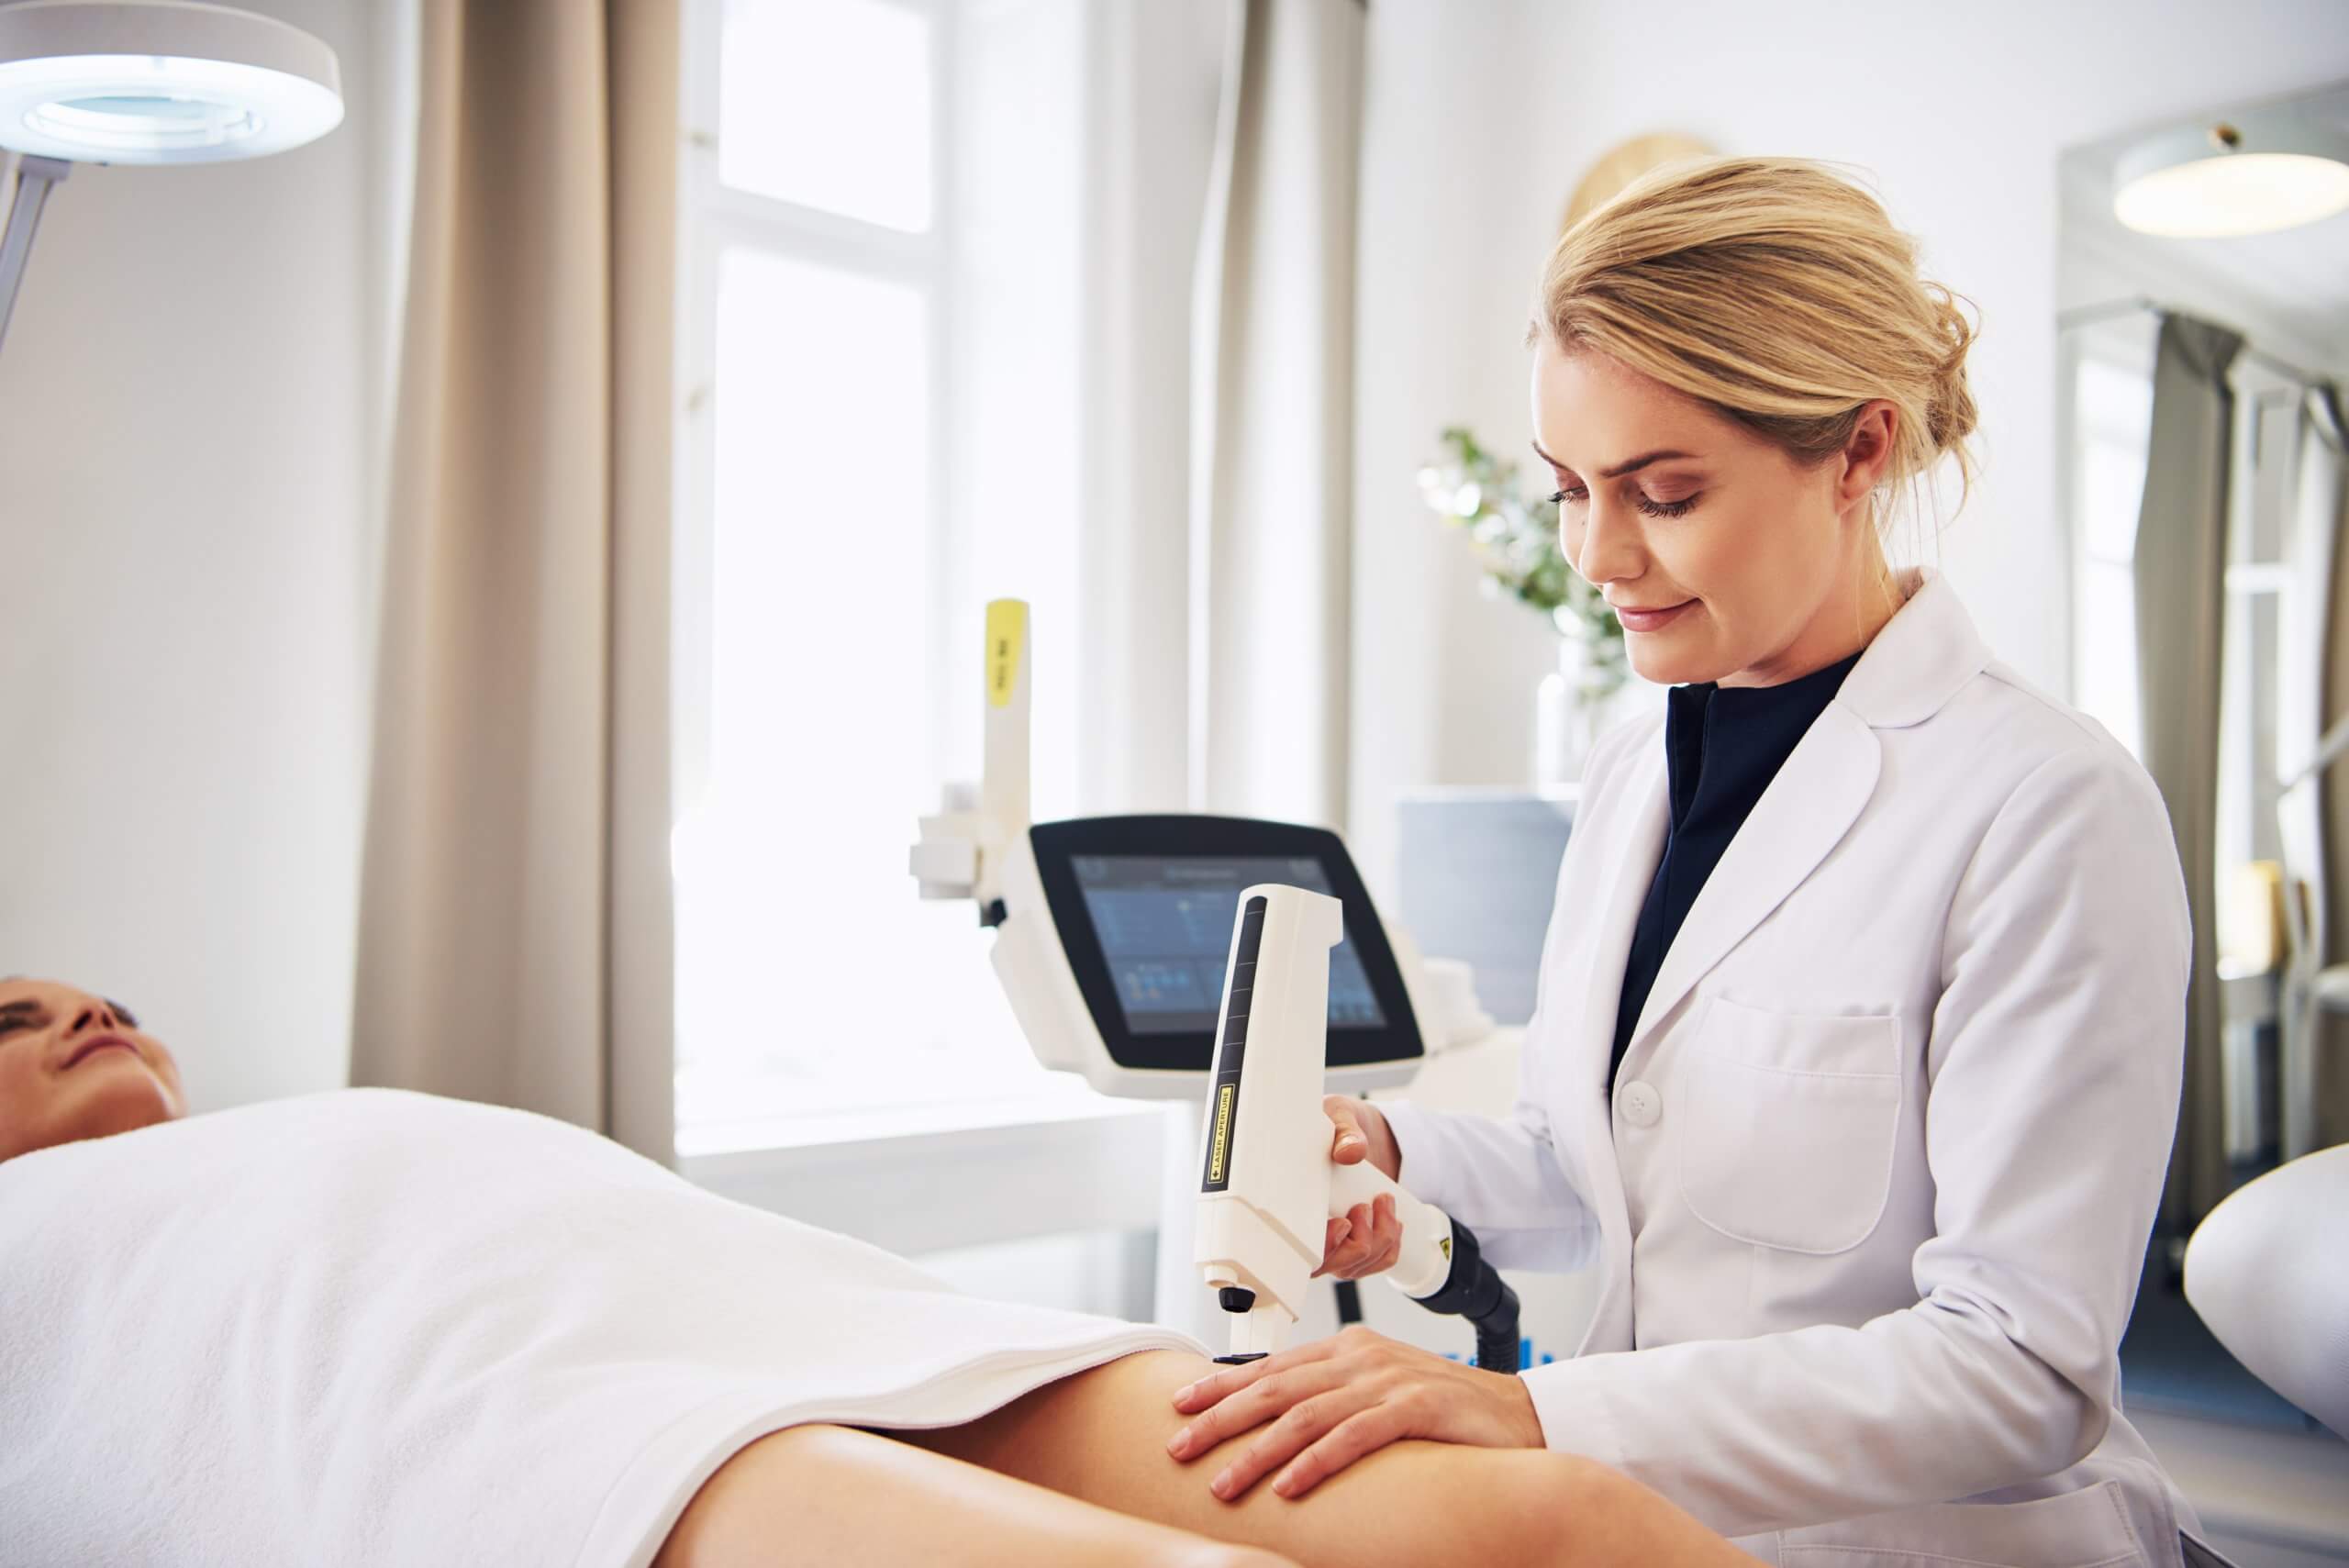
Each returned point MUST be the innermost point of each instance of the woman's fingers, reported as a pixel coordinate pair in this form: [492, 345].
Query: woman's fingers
[1354, 1253]
[1347, 1144]
[1331, 1239]
[1304, 1426]
[1346, 1243]
[1221, 1384]
[1269, 1397]
[1318, 1409]
[1373, 1240]
[1389, 1233]
[1362, 1432]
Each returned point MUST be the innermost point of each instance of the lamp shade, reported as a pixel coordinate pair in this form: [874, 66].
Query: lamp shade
[159, 82]
[2233, 178]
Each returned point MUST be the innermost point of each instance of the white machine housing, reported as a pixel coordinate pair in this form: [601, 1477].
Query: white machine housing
[979, 847]
[982, 846]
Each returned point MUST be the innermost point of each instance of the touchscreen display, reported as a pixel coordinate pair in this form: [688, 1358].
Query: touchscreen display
[1164, 924]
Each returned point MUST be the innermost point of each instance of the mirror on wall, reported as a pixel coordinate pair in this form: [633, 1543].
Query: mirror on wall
[2202, 343]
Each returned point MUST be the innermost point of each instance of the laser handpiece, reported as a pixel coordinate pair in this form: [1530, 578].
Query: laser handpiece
[1268, 1185]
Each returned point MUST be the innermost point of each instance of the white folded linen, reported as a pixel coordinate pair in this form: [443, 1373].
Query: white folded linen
[377, 1327]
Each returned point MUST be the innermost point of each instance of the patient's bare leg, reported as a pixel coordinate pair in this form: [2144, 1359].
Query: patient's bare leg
[830, 1495]
[1102, 1436]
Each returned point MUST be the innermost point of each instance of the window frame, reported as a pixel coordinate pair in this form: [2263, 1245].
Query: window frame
[905, 1181]
[712, 217]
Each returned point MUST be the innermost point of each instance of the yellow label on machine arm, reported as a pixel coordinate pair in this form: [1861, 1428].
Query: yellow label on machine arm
[1006, 635]
[1220, 1143]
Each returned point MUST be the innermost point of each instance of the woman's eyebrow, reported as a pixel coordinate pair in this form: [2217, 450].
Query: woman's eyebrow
[1620, 469]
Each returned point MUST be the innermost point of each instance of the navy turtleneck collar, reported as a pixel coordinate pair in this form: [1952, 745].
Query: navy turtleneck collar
[1723, 747]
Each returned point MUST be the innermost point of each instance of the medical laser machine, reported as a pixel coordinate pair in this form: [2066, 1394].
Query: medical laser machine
[1267, 1183]
[1111, 932]
[1114, 938]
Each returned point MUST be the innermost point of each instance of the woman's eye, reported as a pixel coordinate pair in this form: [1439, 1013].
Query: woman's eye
[1652, 507]
[11, 1022]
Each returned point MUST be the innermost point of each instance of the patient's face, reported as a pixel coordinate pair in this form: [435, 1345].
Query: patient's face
[73, 1066]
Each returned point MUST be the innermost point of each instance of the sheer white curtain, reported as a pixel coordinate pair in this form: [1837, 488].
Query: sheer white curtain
[1273, 418]
[1219, 406]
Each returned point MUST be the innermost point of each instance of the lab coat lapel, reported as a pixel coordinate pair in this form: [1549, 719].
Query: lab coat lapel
[1815, 797]
[1638, 845]
[1637, 850]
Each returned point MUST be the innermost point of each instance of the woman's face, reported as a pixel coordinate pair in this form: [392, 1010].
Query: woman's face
[75, 1066]
[1760, 567]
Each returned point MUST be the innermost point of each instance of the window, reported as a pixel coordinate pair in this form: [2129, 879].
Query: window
[2112, 417]
[880, 215]
[2113, 423]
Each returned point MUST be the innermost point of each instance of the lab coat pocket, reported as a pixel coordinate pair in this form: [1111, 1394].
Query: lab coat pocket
[1791, 1127]
[2086, 1528]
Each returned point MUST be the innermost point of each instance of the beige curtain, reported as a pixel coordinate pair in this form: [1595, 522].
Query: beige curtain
[514, 929]
[1272, 421]
[2181, 603]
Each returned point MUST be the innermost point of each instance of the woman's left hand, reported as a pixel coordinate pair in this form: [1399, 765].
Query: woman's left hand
[1325, 1404]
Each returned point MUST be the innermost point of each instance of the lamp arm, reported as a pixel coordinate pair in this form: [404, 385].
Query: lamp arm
[35, 177]
[2328, 752]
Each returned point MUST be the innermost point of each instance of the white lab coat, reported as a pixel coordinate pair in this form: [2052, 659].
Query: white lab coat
[1871, 1193]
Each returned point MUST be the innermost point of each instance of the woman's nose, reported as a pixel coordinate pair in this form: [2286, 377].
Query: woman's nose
[96, 1014]
[1611, 550]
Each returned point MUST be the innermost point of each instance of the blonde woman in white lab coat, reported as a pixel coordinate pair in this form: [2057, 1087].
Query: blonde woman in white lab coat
[1857, 1050]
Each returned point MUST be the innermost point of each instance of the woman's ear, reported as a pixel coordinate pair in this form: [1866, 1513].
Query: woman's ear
[1867, 452]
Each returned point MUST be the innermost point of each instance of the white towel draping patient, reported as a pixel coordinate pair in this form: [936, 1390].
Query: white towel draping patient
[371, 1327]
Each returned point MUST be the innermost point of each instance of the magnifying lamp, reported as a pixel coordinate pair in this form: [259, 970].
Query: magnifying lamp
[147, 81]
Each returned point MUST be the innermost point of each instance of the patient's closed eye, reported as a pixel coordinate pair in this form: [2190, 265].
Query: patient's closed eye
[122, 1016]
[19, 1016]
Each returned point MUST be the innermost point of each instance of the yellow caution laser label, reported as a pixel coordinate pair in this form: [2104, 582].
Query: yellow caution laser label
[1220, 1144]
[1007, 635]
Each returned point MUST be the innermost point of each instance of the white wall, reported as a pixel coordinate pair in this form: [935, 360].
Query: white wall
[1479, 120]
[187, 412]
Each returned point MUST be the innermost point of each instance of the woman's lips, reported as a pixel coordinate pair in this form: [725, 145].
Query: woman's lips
[1650, 620]
[90, 1048]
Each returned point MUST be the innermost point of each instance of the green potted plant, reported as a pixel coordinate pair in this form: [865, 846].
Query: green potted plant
[1516, 541]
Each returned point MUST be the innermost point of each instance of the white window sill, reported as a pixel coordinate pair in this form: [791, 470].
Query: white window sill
[1053, 1102]
[928, 1178]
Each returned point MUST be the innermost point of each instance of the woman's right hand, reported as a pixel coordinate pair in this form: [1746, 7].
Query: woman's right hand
[1367, 1239]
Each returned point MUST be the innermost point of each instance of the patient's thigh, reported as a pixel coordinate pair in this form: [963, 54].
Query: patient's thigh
[1102, 1436]
[824, 1495]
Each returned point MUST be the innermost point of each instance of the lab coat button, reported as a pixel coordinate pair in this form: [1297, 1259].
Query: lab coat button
[1640, 1104]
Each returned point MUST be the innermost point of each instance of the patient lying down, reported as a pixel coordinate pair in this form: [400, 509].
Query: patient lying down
[370, 1327]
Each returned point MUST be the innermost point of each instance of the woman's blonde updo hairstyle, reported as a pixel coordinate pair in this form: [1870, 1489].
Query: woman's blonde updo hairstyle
[1778, 295]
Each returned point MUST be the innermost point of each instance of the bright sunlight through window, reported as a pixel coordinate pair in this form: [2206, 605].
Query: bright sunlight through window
[879, 334]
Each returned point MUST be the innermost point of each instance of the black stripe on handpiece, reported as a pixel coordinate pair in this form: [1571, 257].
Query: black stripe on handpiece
[1223, 1095]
